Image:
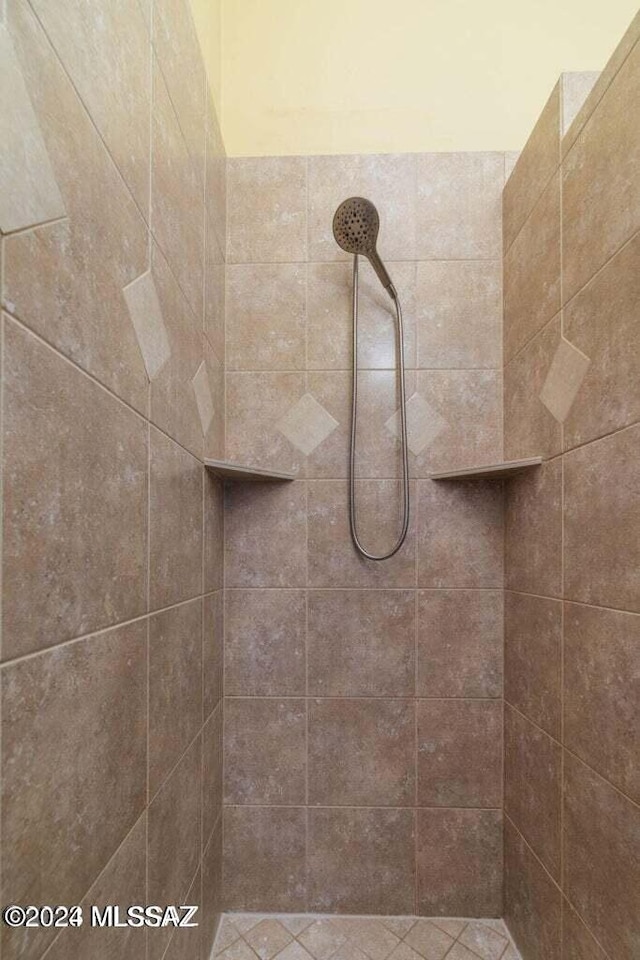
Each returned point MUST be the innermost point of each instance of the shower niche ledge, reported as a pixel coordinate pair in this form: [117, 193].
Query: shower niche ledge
[227, 470]
[492, 471]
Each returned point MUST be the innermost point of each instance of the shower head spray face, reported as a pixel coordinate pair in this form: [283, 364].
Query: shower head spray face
[355, 228]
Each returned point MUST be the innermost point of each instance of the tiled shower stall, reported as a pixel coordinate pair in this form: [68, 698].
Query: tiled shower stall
[163, 305]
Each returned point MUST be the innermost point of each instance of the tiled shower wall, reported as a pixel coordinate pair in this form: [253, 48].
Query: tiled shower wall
[112, 207]
[572, 394]
[363, 711]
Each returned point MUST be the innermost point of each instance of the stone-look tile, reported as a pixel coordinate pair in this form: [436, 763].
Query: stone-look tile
[602, 859]
[533, 531]
[266, 308]
[388, 180]
[329, 316]
[459, 206]
[30, 193]
[460, 952]
[459, 865]
[533, 787]
[307, 424]
[296, 925]
[175, 687]
[577, 942]
[361, 752]
[264, 858]
[532, 902]
[601, 321]
[332, 558]
[361, 644]
[144, 308]
[459, 314]
[174, 839]
[122, 882]
[429, 940]
[227, 934]
[459, 753]
[602, 522]
[203, 396]
[213, 532]
[214, 439]
[173, 404]
[241, 951]
[268, 938]
[264, 647]
[214, 289]
[485, 942]
[368, 935]
[265, 535]
[75, 501]
[575, 88]
[601, 692]
[65, 280]
[186, 942]
[212, 891]
[256, 405]
[530, 429]
[323, 937]
[460, 641]
[470, 402]
[532, 272]
[361, 861]
[533, 658]
[564, 379]
[175, 523]
[212, 752]
[177, 197]
[453, 927]
[62, 817]
[106, 52]
[266, 209]
[600, 193]
[177, 49]
[534, 168]
[265, 745]
[460, 534]
[399, 925]
[216, 179]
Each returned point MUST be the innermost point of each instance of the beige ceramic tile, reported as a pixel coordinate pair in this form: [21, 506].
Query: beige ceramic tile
[30, 192]
[459, 206]
[575, 88]
[258, 405]
[204, 399]
[602, 522]
[567, 371]
[459, 753]
[459, 314]
[265, 744]
[323, 938]
[460, 539]
[265, 643]
[361, 752]
[265, 858]
[212, 760]
[268, 938]
[370, 936]
[61, 818]
[214, 440]
[600, 193]
[266, 307]
[213, 532]
[107, 53]
[75, 501]
[534, 168]
[533, 531]
[532, 272]
[175, 687]
[361, 643]
[177, 198]
[533, 652]
[307, 424]
[460, 643]
[428, 940]
[486, 943]
[265, 535]
[388, 180]
[266, 209]
[212, 890]
[361, 861]
[577, 941]
[216, 179]
[533, 787]
[175, 522]
[532, 902]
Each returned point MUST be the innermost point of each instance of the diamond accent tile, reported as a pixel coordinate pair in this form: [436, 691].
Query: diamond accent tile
[322, 939]
[245, 921]
[268, 938]
[307, 424]
[237, 951]
[566, 373]
[144, 309]
[204, 400]
[483, 940]
[424, 424]
[429, 941]
[370, 936]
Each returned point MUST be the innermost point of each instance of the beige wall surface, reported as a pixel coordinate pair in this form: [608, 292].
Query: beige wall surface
[366, 76]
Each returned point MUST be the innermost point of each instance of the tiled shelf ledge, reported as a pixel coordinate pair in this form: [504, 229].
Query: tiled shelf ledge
[492, 471]
[238, 471]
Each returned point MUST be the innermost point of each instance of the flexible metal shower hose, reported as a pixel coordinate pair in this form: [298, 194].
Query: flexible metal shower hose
[354, 424]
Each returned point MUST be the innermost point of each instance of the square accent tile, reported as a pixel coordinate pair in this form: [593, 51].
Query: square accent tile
[204, 400]
[307, 424]
[424, 424]
[566, 373]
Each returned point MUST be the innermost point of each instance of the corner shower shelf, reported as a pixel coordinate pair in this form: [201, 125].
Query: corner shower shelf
[238, 471]
[493, 471]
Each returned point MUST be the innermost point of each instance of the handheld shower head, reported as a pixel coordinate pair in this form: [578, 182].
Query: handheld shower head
[355, 228]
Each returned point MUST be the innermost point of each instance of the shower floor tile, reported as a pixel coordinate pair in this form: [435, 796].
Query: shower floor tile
[255, 936]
